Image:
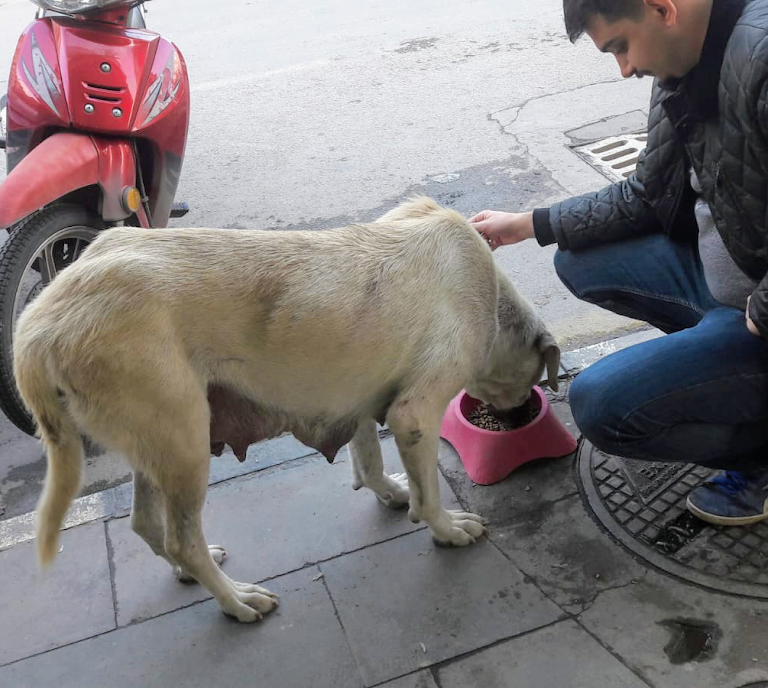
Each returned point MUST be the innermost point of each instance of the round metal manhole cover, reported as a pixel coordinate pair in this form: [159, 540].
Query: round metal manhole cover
[642, 505]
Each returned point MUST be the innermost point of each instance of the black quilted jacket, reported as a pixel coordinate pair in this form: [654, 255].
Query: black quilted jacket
[715, 120]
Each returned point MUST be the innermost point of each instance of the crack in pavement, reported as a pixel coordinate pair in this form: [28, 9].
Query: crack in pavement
[519, 108]
[588, 604]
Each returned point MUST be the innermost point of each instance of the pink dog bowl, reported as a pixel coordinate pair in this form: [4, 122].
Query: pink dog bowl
[489, 455]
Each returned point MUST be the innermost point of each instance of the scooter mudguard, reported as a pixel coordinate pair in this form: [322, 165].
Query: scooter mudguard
[64, 163]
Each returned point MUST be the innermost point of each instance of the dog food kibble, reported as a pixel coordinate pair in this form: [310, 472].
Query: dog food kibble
[483, 416]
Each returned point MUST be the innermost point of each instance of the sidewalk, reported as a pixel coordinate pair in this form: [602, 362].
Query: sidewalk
[547, 600]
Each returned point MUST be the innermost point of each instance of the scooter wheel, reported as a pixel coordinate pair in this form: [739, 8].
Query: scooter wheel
[37, 249]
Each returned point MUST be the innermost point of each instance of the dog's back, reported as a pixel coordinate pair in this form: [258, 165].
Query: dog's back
[229, 295]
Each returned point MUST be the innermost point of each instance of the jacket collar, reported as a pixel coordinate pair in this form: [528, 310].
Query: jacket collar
[697, 91]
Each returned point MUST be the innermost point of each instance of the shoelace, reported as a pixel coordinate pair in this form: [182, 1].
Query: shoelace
[732, 481]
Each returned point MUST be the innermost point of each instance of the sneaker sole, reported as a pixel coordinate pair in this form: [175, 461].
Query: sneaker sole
[724, 520]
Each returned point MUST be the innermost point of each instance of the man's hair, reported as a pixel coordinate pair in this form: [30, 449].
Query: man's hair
[579, 13]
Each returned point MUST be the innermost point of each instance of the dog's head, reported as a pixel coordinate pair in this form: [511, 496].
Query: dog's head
[522, 350]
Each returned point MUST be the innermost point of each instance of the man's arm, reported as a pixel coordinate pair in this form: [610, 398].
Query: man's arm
[618, 211]
[757, 304]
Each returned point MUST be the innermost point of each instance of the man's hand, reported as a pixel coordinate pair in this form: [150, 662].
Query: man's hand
[750, 324]
[499, 228]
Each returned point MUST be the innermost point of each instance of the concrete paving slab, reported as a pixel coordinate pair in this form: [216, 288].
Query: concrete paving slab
[421, 679]
[299, 644]
[97, 506]
[565, 553]
[116, 500]
[259, 456]
[559, 401]
[271, 523]
[406, 604]
[560, 655]
[538, 520]
[23, 463]
[539, 482]
[42, 610]
[677, 635]
[536, 517]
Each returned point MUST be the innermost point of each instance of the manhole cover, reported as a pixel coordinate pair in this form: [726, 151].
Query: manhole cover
[642, 505]
[615, 156]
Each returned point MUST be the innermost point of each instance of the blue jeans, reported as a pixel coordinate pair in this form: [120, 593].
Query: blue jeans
[698, 395]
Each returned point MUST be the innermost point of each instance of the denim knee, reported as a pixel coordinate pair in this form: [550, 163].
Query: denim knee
[565, 266]
[594, 411]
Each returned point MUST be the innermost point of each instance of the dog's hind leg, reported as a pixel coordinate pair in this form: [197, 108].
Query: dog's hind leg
[368, 468]
[147, 514]
[184, 482]
[417, 433]
[148, 522]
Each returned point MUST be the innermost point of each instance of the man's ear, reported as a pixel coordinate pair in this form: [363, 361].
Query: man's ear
[666, 9]
[550, 352]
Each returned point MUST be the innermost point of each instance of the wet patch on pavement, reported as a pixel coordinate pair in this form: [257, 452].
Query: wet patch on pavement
[691, 640]
[516, 183]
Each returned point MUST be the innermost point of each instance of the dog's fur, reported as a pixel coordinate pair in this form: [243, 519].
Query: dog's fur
[167, 344]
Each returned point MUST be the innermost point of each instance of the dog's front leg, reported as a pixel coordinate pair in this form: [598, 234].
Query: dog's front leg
[417, 433]
[368, 468]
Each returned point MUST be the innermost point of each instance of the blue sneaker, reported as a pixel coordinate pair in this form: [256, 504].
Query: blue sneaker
[731, 499]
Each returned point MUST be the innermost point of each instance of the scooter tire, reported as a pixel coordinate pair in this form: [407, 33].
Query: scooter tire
[24, 241]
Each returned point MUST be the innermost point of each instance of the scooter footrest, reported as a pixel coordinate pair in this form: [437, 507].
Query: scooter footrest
[180, 209]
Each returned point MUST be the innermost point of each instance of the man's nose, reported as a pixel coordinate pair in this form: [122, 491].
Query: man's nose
[627, 70]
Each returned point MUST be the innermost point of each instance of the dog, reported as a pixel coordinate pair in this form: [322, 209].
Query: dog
[168, 344]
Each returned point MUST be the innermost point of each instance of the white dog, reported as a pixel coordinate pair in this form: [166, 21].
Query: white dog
[167, 344]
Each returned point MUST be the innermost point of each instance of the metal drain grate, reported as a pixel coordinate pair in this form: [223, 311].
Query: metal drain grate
[616, 156]
[640, 502]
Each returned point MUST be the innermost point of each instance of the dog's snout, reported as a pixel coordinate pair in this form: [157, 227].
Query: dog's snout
[508, 403]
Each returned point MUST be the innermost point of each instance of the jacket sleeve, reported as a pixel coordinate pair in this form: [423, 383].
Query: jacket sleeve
[618, 211]
[758, 303]
[758, 307]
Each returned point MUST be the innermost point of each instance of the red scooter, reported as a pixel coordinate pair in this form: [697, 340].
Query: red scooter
[94, 129]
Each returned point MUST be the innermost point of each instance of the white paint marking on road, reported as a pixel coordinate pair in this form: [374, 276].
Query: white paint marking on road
[251, 78]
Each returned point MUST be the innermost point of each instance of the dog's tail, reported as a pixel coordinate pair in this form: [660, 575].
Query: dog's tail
[61, 439]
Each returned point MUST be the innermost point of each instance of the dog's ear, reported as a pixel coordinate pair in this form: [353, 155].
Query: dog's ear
[550, 352]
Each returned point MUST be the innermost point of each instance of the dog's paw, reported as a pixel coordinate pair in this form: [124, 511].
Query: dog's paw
[250, 602]
[459, 529]
[394, 492]
[217, 552]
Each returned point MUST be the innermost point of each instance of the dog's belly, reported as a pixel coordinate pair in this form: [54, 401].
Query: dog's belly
[239, 422]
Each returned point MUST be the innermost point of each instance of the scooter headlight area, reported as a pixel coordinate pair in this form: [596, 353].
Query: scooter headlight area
[82, 6]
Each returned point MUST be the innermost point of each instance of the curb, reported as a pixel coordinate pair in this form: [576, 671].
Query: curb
[573, 362]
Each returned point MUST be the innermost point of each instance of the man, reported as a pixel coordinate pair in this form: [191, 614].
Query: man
[681, 244]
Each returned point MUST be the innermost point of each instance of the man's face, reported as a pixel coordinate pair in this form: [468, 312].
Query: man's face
[642, 47]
